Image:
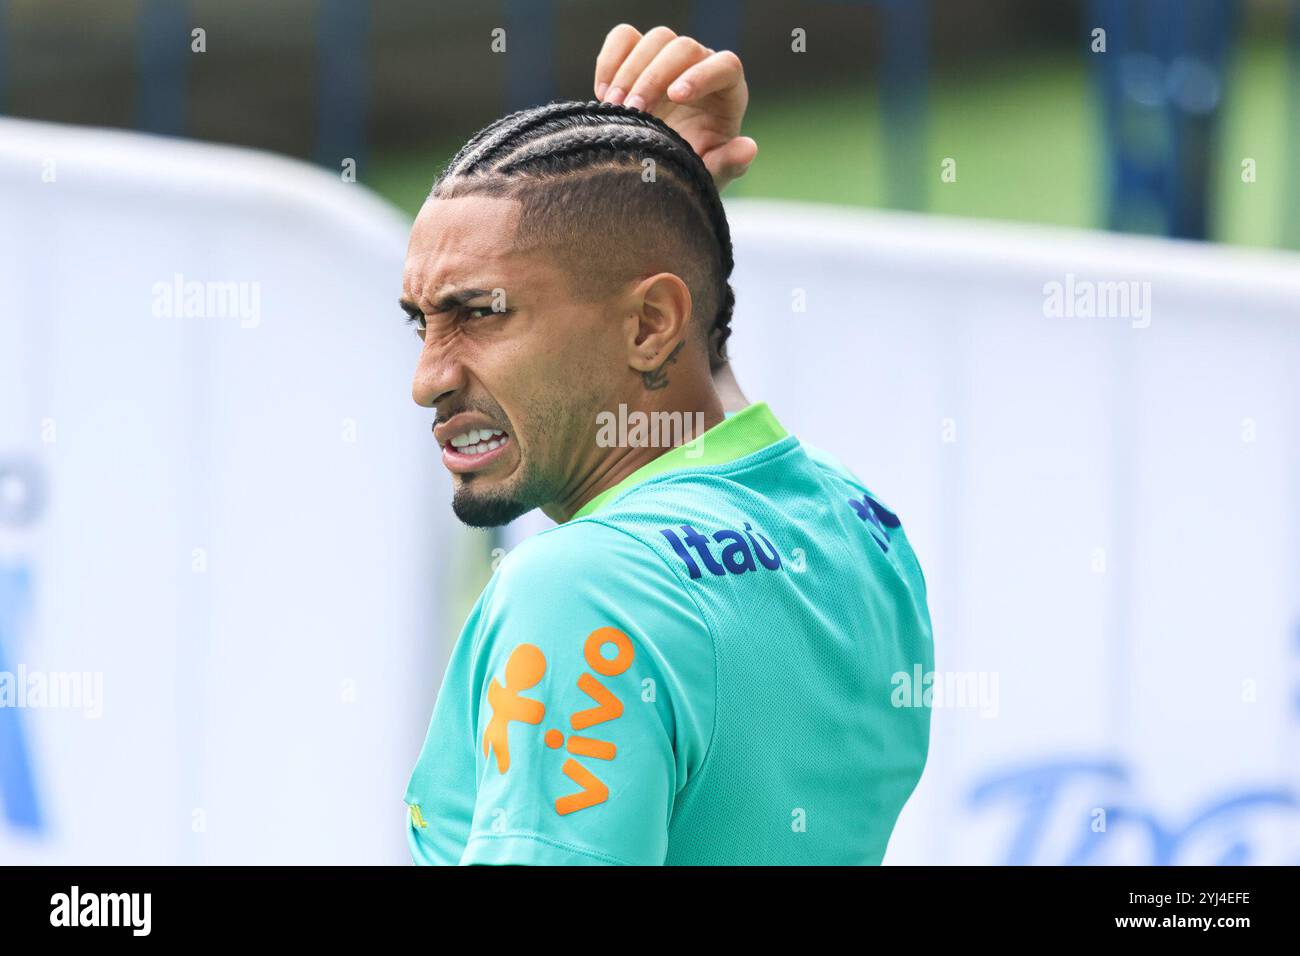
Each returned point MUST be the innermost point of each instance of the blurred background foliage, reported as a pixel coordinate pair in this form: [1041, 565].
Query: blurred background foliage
[1009, 88]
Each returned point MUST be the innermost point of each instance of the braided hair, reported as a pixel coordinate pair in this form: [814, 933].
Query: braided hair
[571, 163]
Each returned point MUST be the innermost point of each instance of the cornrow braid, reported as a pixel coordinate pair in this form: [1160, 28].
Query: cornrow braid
[525, 152]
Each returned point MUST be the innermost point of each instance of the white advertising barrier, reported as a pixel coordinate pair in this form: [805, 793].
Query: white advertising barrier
[1102, 482]
[219, 508]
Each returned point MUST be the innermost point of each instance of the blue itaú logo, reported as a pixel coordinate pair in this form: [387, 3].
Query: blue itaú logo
[20, 502]
[737, 556]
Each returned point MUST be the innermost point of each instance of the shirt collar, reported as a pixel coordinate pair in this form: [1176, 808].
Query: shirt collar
[736, 436]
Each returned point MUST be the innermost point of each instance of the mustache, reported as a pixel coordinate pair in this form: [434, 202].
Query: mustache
[493, 412]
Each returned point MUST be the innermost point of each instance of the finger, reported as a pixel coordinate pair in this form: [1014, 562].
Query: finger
[618, 44]
[716, 73]
[669, 63]
[730, 160]
[646, 49]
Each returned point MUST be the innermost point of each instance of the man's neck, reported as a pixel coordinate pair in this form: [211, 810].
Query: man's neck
[697, 413]
[733, 399]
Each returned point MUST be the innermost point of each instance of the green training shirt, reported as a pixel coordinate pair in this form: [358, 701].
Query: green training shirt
[711, 663]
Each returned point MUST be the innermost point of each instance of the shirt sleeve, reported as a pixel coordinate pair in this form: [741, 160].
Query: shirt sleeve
[595, 686]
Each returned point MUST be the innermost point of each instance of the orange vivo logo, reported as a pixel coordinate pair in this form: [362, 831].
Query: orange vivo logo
[524, 670]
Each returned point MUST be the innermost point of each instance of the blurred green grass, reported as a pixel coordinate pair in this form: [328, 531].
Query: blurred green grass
[1026, 137]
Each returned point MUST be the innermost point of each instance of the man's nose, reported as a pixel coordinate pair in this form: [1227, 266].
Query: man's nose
[438, 374]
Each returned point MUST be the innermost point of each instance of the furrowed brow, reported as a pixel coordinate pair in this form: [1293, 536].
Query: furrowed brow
[455, 299]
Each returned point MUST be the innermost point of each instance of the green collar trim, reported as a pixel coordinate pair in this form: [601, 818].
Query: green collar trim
[736, 436]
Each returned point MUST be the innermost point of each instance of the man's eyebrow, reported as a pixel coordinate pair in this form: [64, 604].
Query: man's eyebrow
[445, 302]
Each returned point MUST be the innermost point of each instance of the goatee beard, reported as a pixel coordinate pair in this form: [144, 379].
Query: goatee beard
[486, 511]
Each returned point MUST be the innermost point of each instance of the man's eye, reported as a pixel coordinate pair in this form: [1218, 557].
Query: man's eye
[417, 321]
[479, 312]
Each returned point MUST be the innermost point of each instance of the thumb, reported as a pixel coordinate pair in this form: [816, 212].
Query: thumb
[730, 160]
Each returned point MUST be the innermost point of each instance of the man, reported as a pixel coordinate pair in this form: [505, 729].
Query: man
[697, 664]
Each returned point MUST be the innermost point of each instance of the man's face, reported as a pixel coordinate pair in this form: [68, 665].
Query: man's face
[516, 368]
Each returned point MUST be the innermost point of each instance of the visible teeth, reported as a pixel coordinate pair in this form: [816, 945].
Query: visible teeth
[479, 441]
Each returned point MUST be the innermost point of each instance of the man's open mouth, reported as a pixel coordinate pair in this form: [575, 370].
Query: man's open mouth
[474, 449]
[479, 441]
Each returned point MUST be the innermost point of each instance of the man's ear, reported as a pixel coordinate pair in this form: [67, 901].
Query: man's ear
[662, 305]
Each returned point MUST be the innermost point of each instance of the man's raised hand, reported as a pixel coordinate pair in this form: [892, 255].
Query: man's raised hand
[700, 93]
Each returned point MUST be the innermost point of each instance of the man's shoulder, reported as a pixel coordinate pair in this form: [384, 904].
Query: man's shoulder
[585, 575]
[833, 467]
[829, 464]
[578, 552]
[705, 489]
